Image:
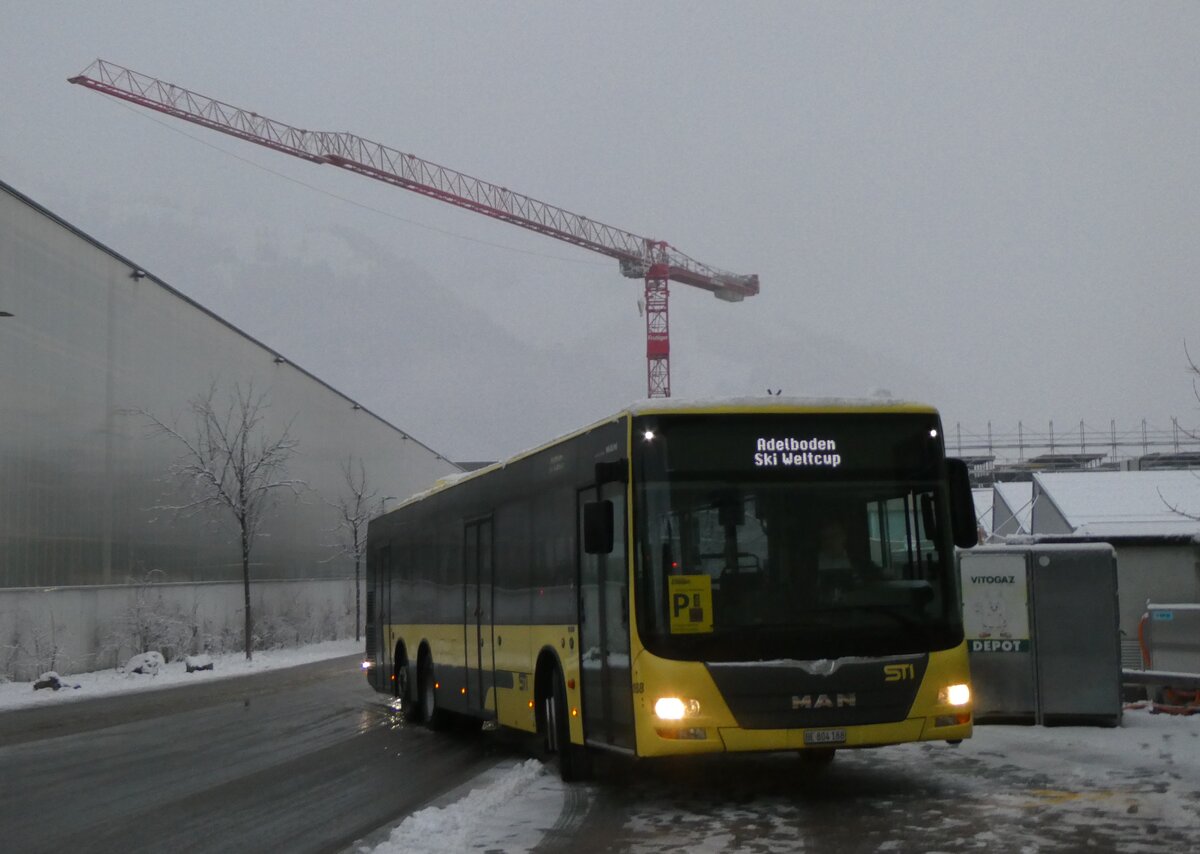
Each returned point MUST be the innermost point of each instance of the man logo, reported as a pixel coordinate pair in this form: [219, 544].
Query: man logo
[823, 701]
[897, 672]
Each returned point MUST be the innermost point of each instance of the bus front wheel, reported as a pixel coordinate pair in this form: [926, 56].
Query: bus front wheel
[572, 758]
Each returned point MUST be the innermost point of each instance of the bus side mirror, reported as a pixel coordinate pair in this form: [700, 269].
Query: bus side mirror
[598, 527]
[962, 505]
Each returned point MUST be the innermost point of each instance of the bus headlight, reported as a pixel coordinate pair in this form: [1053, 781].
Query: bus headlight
[675, 709]
[367, 664]
[955, 695]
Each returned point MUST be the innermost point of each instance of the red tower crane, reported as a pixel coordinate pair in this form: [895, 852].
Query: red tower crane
[639, 257]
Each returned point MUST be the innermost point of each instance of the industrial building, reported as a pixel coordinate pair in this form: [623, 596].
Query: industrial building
[1150, 516]
[92, 345]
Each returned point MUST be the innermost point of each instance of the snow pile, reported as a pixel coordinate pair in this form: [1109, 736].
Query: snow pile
[123, 680]
[145, 663]
[50, 679]
[192, 663]
[510, 811]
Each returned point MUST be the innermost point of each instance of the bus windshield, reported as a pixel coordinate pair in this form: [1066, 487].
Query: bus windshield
[743, 557]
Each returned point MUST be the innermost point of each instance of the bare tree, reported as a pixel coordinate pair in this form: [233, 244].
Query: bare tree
[1194, 370]
[229, 464]
[355, 507]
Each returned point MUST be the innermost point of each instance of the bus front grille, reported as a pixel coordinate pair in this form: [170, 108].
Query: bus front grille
[794, 695]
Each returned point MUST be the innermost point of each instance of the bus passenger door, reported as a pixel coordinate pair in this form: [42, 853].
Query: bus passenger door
[477, 613]
[604, 629]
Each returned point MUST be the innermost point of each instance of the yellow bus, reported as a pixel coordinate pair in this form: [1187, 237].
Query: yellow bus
[752, 575]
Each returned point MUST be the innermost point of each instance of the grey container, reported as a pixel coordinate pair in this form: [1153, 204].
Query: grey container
[1043, 633]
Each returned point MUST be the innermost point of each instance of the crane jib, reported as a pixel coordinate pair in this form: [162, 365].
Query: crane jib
[654, 260]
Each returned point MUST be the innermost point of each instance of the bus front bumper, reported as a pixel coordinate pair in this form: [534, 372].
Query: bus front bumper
[697, 740]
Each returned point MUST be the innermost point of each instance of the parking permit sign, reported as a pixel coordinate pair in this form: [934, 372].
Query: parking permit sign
[690, 603]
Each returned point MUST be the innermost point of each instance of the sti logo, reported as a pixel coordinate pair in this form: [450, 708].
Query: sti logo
[898, 672]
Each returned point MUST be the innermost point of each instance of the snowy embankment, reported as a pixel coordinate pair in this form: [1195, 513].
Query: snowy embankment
[507, 808]
[20, 695]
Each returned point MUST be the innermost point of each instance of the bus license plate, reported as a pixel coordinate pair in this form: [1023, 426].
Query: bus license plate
[825, 736]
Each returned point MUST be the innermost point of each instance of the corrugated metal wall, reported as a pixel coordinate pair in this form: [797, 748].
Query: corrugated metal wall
[87, 345]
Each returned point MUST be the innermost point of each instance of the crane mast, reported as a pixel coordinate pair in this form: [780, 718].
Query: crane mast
[655, 261]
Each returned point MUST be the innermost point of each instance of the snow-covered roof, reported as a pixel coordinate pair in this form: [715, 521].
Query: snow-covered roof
[1019, 498]
[1125, 503]
[983, 508]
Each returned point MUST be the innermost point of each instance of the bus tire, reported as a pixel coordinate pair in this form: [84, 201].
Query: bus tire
[409, 707]
[401, 687]
[572, 758]
[433, 717]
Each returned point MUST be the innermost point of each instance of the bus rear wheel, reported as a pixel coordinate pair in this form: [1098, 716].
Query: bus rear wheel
[433, 717]
[409, 705]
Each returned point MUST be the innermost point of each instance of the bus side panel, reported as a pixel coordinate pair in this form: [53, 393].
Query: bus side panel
[510, 607]
[532, 598]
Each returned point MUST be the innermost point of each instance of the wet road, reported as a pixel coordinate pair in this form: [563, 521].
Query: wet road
[299, 760]
[309, 759]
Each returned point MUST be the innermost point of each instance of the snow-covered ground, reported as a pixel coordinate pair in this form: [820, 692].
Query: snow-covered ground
[1028, 789]
[14, 695]
[507, 808]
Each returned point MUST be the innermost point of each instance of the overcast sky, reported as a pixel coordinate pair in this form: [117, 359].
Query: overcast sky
[994, 208]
